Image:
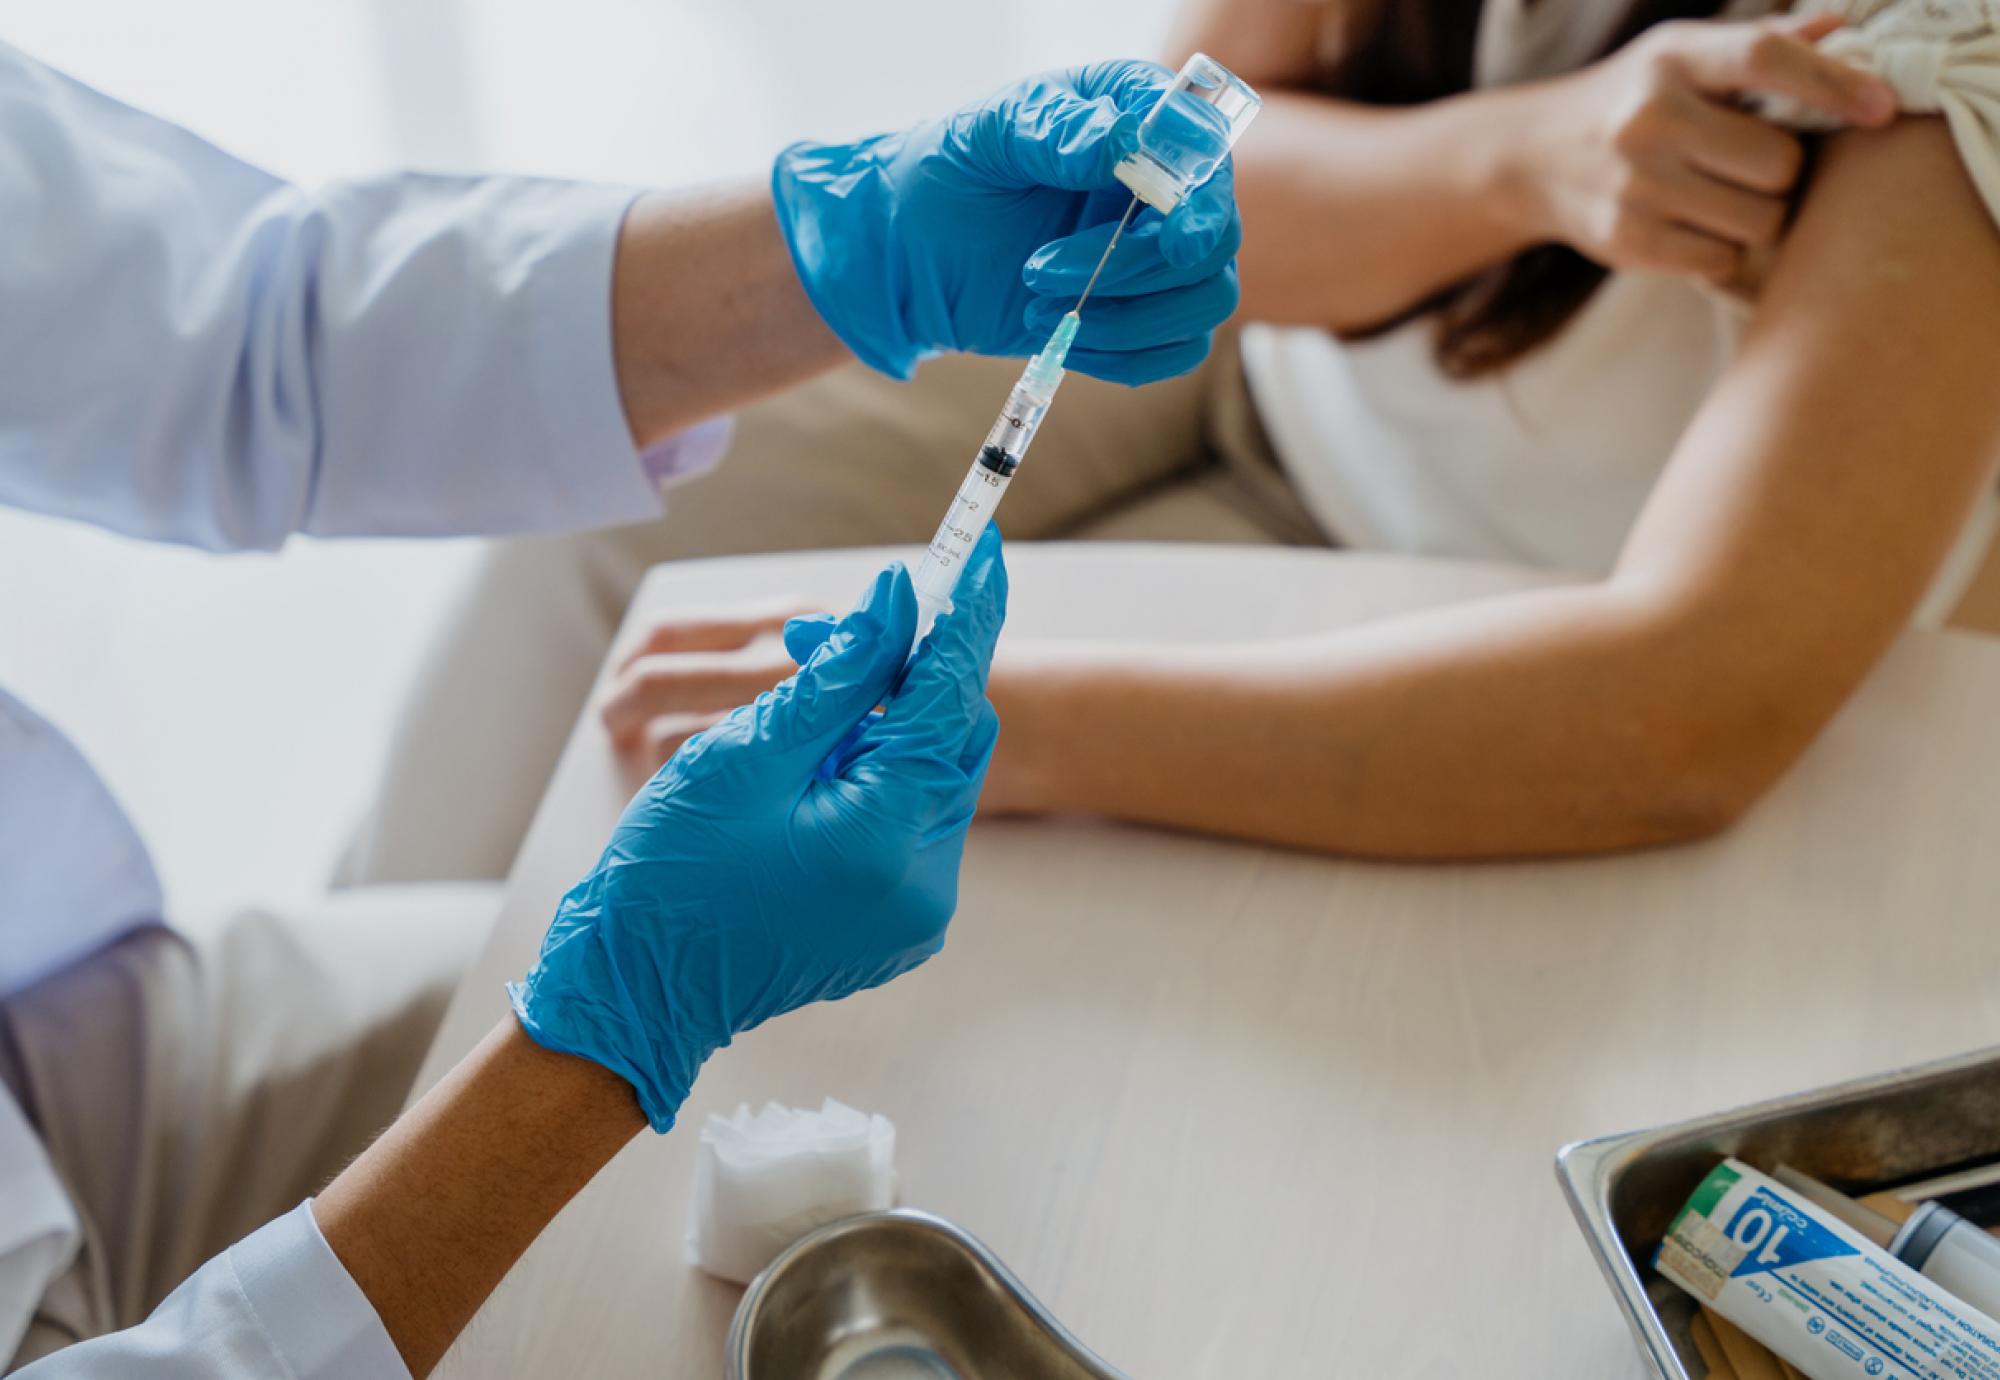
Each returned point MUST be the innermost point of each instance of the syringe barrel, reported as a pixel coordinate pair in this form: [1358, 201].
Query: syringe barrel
[969, 515]
[978, 496]
[1014, 429]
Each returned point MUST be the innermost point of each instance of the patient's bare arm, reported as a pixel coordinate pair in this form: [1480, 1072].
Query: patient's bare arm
[1798, 524]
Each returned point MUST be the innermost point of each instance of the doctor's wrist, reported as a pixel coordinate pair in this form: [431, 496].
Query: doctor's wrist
[707, 311]
[431, 1217]
[836, 209]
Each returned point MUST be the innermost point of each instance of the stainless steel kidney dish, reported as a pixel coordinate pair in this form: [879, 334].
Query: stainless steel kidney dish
[899, 1296]
[1871, 1134]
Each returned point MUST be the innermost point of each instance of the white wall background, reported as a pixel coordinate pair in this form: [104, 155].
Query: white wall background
[239, 704]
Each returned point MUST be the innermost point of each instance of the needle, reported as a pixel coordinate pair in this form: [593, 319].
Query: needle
[1098, 271]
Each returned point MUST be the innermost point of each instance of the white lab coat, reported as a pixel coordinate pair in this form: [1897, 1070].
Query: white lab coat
[193, 351]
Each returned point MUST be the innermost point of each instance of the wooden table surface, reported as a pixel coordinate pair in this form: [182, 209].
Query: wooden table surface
[1237, 1112]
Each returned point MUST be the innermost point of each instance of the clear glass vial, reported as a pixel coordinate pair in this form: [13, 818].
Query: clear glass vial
[1189, 133]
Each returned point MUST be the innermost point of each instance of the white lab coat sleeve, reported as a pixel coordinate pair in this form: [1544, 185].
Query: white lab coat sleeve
[277, 1303]
[39, 1233]
[193, 350]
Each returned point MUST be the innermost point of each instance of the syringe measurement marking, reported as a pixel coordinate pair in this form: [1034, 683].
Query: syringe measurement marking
[949, 546]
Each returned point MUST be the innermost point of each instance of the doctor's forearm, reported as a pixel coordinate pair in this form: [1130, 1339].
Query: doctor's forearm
[707, 311]
[434, 1214]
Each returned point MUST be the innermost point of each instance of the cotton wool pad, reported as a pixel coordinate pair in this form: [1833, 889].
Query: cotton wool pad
[762, 1181]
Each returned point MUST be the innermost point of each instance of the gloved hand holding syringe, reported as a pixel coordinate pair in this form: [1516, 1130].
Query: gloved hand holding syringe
[1179, 145]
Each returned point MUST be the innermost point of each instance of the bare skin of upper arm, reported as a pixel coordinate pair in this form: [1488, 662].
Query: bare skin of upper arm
[1812, 501]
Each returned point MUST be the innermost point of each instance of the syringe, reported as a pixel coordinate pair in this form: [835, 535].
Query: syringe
[993, 468]
[992, 471]
[1179, 145]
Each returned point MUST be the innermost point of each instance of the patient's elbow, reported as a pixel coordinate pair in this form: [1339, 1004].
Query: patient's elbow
[1694, 802]
[1711, 770]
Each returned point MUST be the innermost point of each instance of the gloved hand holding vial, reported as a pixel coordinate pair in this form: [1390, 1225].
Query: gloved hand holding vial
[1177, 148]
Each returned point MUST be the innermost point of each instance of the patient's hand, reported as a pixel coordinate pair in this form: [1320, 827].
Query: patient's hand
[1648, 161]
[691, 669]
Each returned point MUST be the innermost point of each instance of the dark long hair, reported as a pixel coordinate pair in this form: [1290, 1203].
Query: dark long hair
[1406, 52]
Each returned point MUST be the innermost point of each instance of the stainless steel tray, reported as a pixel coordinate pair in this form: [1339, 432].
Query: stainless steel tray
[1870, 1134]
[899, 1295]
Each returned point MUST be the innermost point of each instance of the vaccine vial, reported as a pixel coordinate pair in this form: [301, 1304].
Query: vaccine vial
[1188, 134]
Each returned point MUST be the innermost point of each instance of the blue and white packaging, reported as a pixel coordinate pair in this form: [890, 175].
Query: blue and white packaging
[1815, 1291]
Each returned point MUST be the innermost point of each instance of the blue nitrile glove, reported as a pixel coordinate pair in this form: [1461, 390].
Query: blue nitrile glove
[914, 243]
[741, 884]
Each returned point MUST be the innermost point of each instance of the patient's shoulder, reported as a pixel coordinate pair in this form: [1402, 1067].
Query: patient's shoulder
[1942, 57]
[1926, 49]
[1895, 205]
[1911, 169]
